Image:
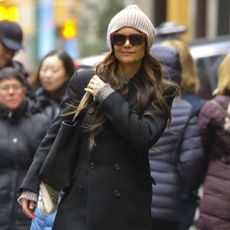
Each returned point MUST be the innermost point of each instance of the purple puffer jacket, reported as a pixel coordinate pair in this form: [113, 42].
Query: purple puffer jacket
[215, 204]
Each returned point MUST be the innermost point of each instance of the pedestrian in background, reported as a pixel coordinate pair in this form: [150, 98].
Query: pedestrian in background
[189, 88]
[189, 78]
[128, 109]
[176, 154]
[51, 80]
[11, 39]
[214, 123]
[22, 128]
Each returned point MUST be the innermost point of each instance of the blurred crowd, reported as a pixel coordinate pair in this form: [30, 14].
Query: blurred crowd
[192, 153]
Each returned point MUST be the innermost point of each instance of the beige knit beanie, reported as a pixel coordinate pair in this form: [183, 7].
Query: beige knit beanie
[131, 16]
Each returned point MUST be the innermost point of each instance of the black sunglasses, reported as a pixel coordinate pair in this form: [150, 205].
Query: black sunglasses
[134, 39]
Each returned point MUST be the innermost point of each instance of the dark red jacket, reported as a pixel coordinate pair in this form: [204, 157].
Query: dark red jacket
[215, 204]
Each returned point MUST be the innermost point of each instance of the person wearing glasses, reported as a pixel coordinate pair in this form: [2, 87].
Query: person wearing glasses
[127, 109]
[22, 128]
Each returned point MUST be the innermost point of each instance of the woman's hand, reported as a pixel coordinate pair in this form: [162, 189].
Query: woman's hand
[95, 84]
[28, 207]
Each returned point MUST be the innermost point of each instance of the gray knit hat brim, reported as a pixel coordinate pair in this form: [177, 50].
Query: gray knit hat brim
[131, 16]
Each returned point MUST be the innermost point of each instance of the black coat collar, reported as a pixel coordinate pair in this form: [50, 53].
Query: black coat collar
[16, 114]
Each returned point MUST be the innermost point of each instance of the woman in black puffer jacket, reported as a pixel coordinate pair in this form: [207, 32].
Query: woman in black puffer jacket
[22, 128]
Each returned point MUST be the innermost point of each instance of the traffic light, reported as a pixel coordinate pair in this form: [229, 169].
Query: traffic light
[10, 13]
[69, 28]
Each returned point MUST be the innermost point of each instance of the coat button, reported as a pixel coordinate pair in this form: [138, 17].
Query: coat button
[116, 193]
[79, 188]
[109, 117]
[15, 140]
[91, 110]
[92, 165]
[117, 167]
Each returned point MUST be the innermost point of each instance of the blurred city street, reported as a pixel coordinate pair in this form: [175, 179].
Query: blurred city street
[45, 42]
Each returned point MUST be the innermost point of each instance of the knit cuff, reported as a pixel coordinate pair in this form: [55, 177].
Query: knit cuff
[29, 196]
[102, 93]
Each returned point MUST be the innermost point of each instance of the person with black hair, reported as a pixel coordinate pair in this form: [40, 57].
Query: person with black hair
[51, 80]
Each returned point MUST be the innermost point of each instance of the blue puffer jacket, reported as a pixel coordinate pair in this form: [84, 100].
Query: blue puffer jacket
[176, 161]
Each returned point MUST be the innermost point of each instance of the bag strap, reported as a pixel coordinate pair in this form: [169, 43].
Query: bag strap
[221, 107]
[86, 73]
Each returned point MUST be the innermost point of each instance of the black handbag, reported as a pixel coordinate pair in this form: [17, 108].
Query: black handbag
[57, 170]
[58, 167]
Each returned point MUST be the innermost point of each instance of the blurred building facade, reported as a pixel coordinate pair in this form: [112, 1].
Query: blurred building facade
[50, 24]
[47, 24]
[204, 18]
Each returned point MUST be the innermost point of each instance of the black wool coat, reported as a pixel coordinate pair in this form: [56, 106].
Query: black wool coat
[112, 184]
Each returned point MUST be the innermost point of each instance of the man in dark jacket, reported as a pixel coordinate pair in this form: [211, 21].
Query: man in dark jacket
[11, 38]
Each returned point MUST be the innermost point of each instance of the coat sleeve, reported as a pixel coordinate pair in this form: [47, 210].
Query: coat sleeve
[191, 157]
[139, 133]
[205, 125]
[74, 93]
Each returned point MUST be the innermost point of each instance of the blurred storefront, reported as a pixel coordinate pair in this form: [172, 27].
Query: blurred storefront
[203, 18]
[49, 24]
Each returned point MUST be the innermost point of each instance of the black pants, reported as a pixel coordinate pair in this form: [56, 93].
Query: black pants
[158, 224]
[189, 205]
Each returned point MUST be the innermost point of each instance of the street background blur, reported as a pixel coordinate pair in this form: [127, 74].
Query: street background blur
[79, 26]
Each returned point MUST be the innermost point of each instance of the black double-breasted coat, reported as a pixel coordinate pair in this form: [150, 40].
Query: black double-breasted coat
[112, 185]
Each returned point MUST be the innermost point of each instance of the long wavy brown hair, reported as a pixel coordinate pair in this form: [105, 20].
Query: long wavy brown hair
[150, 88]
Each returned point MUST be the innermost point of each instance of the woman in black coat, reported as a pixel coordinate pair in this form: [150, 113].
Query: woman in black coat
[22, 128]
[128, 109]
